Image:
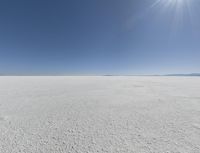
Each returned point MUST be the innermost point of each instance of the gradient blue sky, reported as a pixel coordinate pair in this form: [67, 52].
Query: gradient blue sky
[99, 36]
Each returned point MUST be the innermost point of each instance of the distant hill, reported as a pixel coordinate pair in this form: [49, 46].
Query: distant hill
[191, 74]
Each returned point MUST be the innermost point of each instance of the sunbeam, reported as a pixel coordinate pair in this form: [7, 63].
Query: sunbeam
[178, 5]
[179, 9]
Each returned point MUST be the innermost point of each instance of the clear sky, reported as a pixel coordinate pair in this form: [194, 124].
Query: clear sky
[99, 36]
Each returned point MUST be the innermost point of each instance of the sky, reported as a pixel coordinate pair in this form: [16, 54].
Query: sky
[98, 37]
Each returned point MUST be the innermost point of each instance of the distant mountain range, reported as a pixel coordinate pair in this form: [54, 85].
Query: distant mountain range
[191, 74]
[178, 74]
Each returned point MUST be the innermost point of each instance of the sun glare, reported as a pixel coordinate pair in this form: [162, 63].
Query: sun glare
[170, 3]
[179, 6]
[178, 9]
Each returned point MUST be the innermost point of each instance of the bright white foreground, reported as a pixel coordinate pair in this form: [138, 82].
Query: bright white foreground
[99, 114]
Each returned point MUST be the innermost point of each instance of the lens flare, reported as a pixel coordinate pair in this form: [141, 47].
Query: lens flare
[177, 4]
[179, 11]
[179, 8]
[169, 3]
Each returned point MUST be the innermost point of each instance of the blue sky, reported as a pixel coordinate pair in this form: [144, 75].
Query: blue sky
[67, 37]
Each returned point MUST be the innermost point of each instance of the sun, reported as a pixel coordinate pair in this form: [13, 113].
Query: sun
[177, 10]
[169, 3]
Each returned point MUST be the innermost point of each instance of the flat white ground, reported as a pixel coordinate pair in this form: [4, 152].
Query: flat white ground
[100, 114]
